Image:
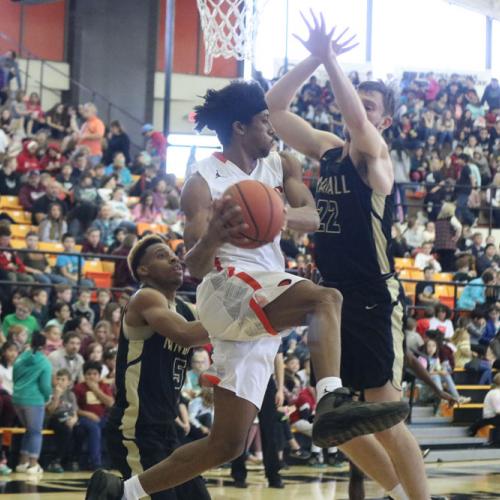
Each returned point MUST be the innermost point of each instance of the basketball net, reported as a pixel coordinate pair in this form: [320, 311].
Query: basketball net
[229, 28]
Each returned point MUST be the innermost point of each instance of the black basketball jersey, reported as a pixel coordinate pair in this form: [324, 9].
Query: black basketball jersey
[353, 241]
[149, 377]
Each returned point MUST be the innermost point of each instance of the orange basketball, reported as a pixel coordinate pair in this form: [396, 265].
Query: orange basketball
[263, 212]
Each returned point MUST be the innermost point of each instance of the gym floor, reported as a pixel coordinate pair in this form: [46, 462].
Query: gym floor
[457, 481]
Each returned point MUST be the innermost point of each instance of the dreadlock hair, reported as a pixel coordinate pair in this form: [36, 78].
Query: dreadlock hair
[387, 94]
[239, 101]
[139, 249]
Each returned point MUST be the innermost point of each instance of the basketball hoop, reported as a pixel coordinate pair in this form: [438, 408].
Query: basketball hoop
[229, 28]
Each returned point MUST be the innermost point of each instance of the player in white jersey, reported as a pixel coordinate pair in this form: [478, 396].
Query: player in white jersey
[246, 298]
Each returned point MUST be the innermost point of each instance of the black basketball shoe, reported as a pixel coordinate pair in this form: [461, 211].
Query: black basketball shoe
[339, 419]
[104, 486]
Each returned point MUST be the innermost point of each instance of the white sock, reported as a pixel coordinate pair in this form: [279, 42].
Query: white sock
[327, 384]
[133, 489]
[398, 493]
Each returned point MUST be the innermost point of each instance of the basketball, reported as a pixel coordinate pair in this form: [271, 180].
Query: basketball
[263, 212]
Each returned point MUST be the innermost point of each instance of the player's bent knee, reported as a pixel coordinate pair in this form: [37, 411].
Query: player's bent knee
[227, 448]
[327, 297]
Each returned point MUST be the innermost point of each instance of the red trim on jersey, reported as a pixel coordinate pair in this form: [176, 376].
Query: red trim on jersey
[217, 264]
[259, 312]
[249, 280]
[220, 156]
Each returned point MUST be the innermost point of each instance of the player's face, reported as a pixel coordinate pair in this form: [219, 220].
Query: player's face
[259, 135]
[162, 266]
[373, 103]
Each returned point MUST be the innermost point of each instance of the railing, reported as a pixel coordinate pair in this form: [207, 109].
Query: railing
[85, 256]
[88, 256]
[110, 105]
[425, 188]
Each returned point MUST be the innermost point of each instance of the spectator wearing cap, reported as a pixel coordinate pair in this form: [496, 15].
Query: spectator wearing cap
[92, 133]
[28, 160]
[156, 144]
[119, 168]
[118, 141]
[31, 190]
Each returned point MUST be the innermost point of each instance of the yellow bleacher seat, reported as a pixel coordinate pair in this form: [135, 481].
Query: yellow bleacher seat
[135, 178]
[416, 274]
[443, 276]
[10, 202]
[403, 263]
[50, 247]
[133, 200]
[19, 217]
[108, 266]
[92, 266]
[78, 248]
[20, 230]
[18, 244]
[444, 290]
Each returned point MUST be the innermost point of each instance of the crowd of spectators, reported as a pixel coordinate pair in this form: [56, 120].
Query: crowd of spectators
[78, 186]
[84, 189]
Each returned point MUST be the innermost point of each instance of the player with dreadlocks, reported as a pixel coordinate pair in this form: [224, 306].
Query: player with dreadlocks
[246, 299]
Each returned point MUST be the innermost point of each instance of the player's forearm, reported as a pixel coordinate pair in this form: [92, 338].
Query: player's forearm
[304, 219]
[283, 92]
[200, 259]
[346, 97]
[279, 371]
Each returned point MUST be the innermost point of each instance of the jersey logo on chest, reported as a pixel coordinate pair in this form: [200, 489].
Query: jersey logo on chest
[333, 185]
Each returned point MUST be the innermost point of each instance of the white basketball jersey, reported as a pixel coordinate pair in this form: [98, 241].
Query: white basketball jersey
[220, 173]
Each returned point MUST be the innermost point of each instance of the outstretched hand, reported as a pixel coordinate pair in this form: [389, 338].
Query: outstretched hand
[320, 43]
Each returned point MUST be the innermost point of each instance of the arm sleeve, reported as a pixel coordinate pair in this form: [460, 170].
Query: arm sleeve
[45, 381]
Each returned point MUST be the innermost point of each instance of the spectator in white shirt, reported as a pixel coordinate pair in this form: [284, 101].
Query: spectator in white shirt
[491, 408]
[414, 233]
[425, 258]
[441, 321]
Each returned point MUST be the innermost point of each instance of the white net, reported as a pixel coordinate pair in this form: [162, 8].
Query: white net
[229, 28]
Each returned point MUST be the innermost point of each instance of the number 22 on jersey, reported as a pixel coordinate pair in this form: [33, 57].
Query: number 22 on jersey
[328, 214]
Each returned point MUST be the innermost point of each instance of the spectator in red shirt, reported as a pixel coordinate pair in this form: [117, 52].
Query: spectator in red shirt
[31, 190]
[10, 264]
[53, 160]
[156, 143]
[27, 159]
[93, 398]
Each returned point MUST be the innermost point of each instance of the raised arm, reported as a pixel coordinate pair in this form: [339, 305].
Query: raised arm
[209, 224]
[150, 307]
[366, 138]
[293, 129]
[302, 216]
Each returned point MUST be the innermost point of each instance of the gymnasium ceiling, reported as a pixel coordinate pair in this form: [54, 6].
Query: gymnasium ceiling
[487, 7]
